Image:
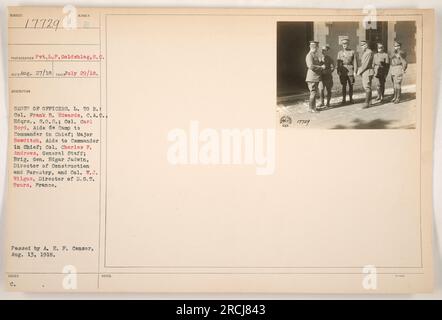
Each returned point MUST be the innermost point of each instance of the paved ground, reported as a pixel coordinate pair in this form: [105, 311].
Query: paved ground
[380, 116]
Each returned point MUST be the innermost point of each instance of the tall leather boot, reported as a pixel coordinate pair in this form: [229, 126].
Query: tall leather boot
[367, 99]
[350, 93]
[382, 91]
[328, 97]
[398, 97]
[312, 104]
[379, 96]
[395, 95]
[344, 94]
[321, 97]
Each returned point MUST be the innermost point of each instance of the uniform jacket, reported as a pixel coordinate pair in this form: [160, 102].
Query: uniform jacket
[366, 68]
[381, 64]
[329, 64]
[398, 65]
[314, 67]
[346, 62]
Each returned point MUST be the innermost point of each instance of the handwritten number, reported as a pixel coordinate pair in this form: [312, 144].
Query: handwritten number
[42, 23]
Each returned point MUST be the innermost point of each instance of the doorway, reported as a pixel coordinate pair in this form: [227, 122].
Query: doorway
[292, 47]
[379, 34]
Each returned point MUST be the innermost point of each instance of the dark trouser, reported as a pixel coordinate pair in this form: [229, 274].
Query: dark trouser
[346, 79]
[325, 84]
[380, 86]
[313, 87]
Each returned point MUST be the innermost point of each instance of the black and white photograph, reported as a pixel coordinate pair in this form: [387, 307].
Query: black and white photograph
[347, 75]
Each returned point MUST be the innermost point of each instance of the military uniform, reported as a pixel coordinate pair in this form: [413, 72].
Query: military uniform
[346, 67]
[326, 77]
[366, 72]
[314, 70]
[398, 67]
[381, 66]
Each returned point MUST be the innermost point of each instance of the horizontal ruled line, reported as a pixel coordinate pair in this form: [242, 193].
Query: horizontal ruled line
[258, 267]
[55, 60]
[159, 272]
[53, 44]
[52, 29]
[54, 77]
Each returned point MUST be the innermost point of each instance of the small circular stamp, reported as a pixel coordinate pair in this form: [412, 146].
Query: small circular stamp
[285, 121]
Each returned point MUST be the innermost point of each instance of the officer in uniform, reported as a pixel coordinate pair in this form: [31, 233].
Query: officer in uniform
[326, 82]
[366, 71]
[381, 66]
[398, 67]
[346, 67]
[314, 70]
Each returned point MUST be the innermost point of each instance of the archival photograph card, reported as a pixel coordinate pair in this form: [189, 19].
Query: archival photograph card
[219, 150]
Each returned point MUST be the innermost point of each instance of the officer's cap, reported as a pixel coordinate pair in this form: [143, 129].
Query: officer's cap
[380, 45]
[363, 42]
[314, 42]
[345, 40]
[397, 43]
[326, 47]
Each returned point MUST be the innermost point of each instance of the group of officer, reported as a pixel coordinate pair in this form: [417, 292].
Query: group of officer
[377, 65]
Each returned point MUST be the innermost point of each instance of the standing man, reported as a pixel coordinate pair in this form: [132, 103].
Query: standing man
[398, 67]
[381, 65]
[366, 72]
[326, 76]
[346, 67]
[313, 74]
